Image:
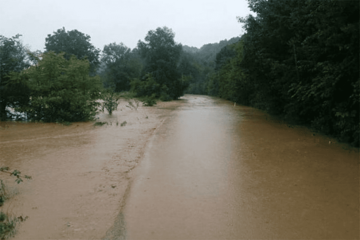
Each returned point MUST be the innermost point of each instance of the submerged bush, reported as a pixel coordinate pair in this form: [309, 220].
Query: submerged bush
[61, 90]
[2, 193]
[7, 226]
[149, 101]
[8, 223]
[111, 101]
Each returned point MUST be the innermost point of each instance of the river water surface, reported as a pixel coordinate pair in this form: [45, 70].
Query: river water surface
[196, 168]
[218, 171]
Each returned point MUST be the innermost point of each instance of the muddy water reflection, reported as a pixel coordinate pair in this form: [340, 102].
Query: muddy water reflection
[215, 171]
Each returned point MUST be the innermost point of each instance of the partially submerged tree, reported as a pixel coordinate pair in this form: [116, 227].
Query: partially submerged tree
[161, 55]
[60, 89]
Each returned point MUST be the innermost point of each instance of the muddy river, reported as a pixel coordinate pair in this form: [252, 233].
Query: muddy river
[197, 168]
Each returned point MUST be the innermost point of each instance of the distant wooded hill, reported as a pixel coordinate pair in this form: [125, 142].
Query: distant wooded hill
[208, 51]
[198, 65]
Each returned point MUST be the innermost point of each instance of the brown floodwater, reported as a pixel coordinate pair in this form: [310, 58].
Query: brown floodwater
[213, 170]
[197, 168]
[79, 172]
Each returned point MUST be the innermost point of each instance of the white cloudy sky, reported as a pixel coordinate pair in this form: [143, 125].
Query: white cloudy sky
[195, 22]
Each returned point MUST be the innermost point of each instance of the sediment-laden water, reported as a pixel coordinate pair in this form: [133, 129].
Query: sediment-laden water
[219, 171]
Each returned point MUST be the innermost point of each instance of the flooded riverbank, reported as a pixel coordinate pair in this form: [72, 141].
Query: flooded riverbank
[79, 172]
[197, 168]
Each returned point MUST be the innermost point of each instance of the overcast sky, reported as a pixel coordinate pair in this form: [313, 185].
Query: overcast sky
[195, 22]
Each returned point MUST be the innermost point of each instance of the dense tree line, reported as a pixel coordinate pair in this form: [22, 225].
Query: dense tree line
[64, 82]
[299, 60]
[198, 65]
[157, 68]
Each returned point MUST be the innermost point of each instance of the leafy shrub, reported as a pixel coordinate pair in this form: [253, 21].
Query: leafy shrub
[133, 104]
[7, 226]
[100, 123]
[146, 87]
[60, 90]
[111, 101]
[149, 101]
[7, 223]
[2, 193]
[165, 97]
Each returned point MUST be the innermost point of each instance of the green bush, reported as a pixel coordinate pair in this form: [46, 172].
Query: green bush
[165, 97]
[2, 193]
[111, 101]
[146, 87]
[7, 226]
[149, 101]
[60, 90]
[7, 223]
[100, 123]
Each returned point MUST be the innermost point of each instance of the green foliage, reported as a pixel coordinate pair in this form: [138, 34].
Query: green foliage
[133, 104]
[198, 66]
[2, 216]
[147, 86]
[191, 72]
[7, 223]
[13, 58]
[7, 226]
[149, 100]
[100, 123]
[111, 101]
[160, 74]
[73, 43]
[300, 60]
[2, 193]
[119, 66]
[14, 173]
[127, 95]
[60, 90]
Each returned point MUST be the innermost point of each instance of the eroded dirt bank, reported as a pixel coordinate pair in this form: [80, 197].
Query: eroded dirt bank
[80, 172]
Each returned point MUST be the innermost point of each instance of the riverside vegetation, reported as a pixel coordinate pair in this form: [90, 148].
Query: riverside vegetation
[8, 222]
[298, 59]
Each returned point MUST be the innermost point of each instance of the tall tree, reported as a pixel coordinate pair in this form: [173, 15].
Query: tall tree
[120, 65]
[73, 43]
[12, 59]
[162, 54]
